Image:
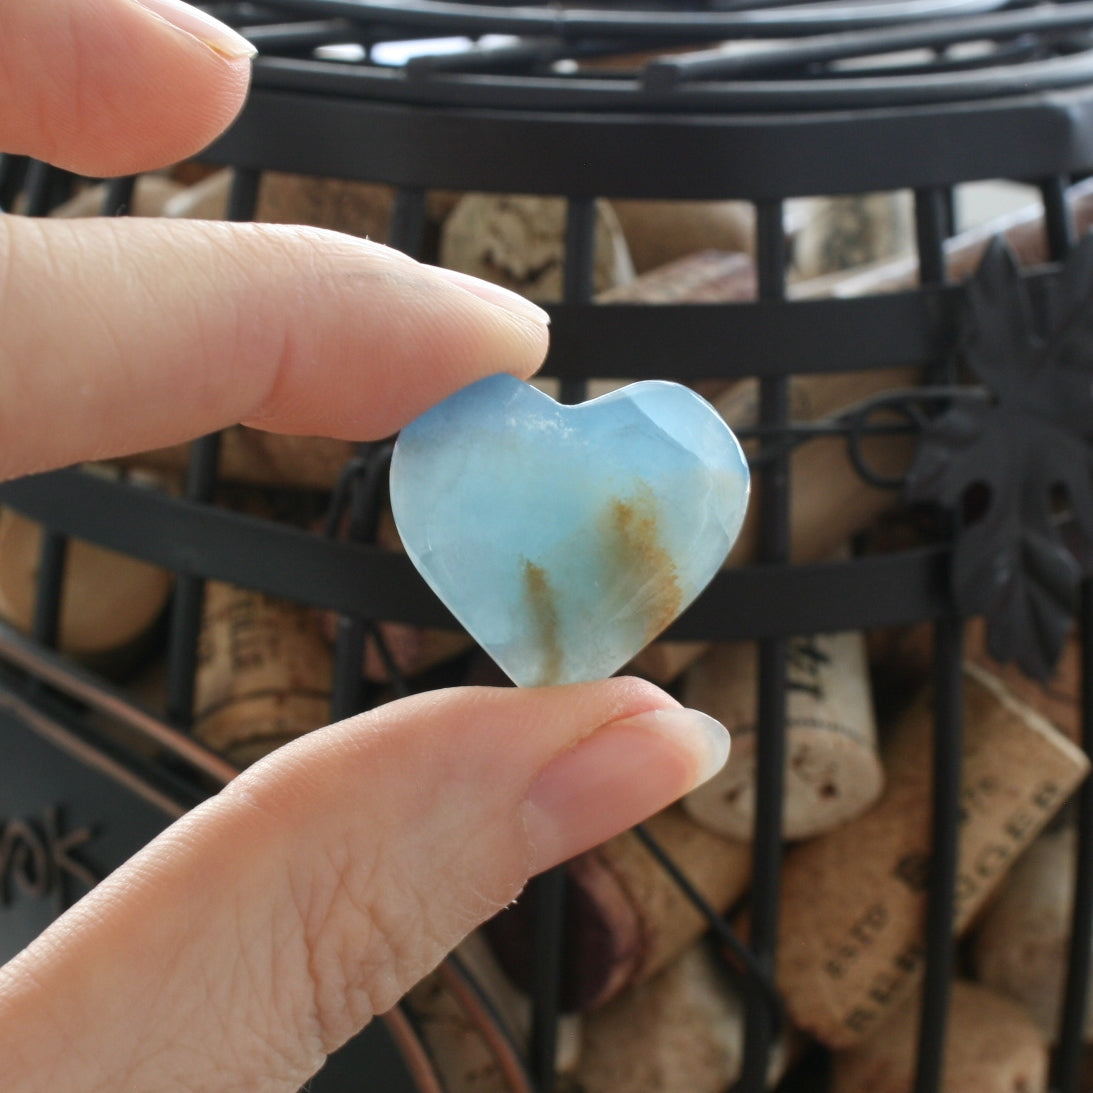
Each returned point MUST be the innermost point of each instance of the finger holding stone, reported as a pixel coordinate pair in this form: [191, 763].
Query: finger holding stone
[173, 329]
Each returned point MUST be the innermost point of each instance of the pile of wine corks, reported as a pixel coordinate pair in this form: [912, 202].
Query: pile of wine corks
[649, 1004]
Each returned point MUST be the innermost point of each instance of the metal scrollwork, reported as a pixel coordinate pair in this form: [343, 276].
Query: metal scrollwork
[1015, 468]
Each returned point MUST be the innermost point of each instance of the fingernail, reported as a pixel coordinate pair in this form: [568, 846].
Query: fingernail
[493, 294]
[617, 777]
[197, 24]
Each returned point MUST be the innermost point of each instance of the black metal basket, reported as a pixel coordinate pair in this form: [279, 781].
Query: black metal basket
[829, 101]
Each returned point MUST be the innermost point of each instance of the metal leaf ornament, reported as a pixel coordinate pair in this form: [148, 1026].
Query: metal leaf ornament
[1015, 465]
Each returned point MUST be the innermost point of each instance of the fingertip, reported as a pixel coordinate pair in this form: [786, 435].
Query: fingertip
[503, 297]
[633, 765]
[199, 25]
[618, 776]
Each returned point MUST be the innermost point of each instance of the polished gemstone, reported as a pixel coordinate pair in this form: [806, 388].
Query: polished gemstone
[565, 538]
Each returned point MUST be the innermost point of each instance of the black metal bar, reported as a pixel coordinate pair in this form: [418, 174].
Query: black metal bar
[299, 37]
[931, 229]
[43, 189]
[945, 826]
[645, 22]
[579, 272]
[739, 603]
[13, 171]
[547, 893]
[939, 33]
[184, 622]
[52, 555]
[579, 276]
[891, 330]
[243, 195]
[1058, 222]
[516, 55]
[350, 642]
[297, 118]
[406, 233]
[407, 230]
[350, 634]
[730, 946]
[548, 934]
[1079, 966]
[119, 196]
[365, 504]
[189, 594]
[774, 546]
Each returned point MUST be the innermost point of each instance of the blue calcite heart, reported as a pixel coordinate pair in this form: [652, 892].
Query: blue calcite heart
[565, 538]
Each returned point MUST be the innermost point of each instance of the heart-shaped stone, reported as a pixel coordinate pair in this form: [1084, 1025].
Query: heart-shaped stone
[565, 538]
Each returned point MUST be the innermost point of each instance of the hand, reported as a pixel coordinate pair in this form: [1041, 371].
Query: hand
[268, 926]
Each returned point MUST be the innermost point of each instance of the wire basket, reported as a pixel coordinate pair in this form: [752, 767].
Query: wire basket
[763, 104]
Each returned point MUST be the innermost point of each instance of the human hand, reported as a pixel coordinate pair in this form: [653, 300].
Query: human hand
[266, 927]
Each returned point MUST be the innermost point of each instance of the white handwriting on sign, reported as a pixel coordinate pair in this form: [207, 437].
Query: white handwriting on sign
[37, 859]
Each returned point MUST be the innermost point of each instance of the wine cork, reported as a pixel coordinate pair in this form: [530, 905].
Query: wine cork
[344, 205]
[832, 770]
[681, 1030]
[627, 918]
[1058, 698]
[413, 650]
[838, 233]
[706, 276]
[1022, 942]
[355, 208]
[520, 242]
[660, 232]
[460, 1051]
[264, 673]
[854, 900]
[475, 1024]
[1022, 229]
[110, 602]
[991, 1046]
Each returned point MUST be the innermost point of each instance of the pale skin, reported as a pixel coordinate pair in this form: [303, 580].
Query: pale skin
[269, 925]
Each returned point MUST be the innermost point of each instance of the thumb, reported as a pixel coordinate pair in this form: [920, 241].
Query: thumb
[269, 925]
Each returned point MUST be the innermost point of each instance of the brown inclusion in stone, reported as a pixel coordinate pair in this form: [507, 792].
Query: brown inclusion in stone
[638, 571]
[544, 613]
[635, 550]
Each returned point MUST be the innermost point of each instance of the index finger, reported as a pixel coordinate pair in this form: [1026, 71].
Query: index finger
[112, 87]
[120, 335]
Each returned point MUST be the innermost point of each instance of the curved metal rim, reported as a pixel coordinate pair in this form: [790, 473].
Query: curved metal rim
[745, 156]
[481, 18]
[501, 93]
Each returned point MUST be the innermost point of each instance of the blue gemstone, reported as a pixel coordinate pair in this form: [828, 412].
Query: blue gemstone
[565, 538]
